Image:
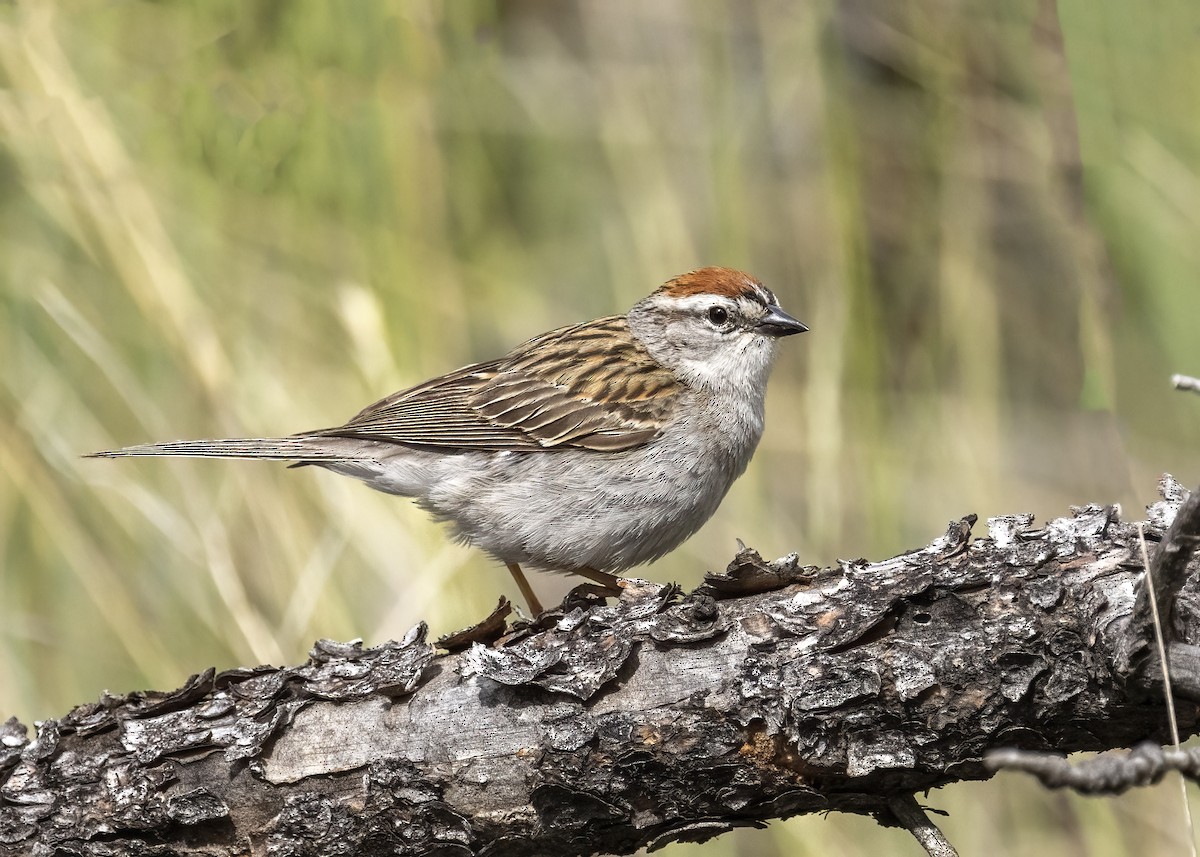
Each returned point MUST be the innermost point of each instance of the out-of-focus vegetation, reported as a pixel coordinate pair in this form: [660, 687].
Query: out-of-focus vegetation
[224, 217]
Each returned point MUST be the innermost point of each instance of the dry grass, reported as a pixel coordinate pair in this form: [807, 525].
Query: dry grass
[222, 218]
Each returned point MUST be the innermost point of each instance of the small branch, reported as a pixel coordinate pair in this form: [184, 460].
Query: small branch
[1159, 638]
[1166, 577]
[1186, 382]
[910, 815]
[1184, 662]
[1107, 774]
[1168, 694]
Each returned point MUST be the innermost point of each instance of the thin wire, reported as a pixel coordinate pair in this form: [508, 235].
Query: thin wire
[1170, 697]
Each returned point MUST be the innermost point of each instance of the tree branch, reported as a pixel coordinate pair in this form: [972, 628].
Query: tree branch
[773, 690]
[1168, 572]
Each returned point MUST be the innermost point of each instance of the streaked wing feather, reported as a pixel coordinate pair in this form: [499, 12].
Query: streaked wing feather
[589, 386]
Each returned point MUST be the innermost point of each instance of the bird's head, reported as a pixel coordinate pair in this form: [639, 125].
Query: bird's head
[716, 327]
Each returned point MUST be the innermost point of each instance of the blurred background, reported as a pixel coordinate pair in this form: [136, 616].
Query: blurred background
[249, 217]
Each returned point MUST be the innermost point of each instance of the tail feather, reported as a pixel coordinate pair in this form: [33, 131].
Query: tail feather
[269, 448]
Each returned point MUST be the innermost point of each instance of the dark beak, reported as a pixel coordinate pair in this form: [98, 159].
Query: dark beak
[778, 323]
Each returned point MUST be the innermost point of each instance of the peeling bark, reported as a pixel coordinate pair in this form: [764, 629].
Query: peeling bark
[772, 690]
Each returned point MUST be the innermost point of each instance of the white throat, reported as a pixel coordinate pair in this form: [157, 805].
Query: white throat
[740, 371]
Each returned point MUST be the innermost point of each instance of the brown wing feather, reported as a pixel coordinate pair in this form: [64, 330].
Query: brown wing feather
[567, 388]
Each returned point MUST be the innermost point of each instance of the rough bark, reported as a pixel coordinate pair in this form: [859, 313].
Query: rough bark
[773, 690]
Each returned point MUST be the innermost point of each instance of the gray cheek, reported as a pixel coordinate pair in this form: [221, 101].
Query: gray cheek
[678, 337]
[691, 341]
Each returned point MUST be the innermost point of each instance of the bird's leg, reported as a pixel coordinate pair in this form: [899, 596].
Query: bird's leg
[526, 589]
[608, 581]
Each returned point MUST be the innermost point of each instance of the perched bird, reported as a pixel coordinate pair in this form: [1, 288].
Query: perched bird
[589, 449]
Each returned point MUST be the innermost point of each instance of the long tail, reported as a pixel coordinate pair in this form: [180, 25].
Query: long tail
[273, 448]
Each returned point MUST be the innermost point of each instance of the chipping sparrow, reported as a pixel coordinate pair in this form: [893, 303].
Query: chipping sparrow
[589, 449]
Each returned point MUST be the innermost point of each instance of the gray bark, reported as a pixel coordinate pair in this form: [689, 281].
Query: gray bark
[773, 690]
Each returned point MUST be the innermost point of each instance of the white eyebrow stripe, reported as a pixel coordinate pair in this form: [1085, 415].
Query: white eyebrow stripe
[704, 301]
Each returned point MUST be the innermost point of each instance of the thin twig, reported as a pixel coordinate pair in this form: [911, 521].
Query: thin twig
[909, 813]
[1167, 694]
[1186, 382]
[1106, 774]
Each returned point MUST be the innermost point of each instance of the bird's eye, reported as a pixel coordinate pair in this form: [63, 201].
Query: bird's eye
[718, 314]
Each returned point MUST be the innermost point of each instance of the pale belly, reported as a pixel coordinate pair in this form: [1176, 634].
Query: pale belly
[570, 508]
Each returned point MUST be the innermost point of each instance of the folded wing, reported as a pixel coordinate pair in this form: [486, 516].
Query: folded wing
[589, 386]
